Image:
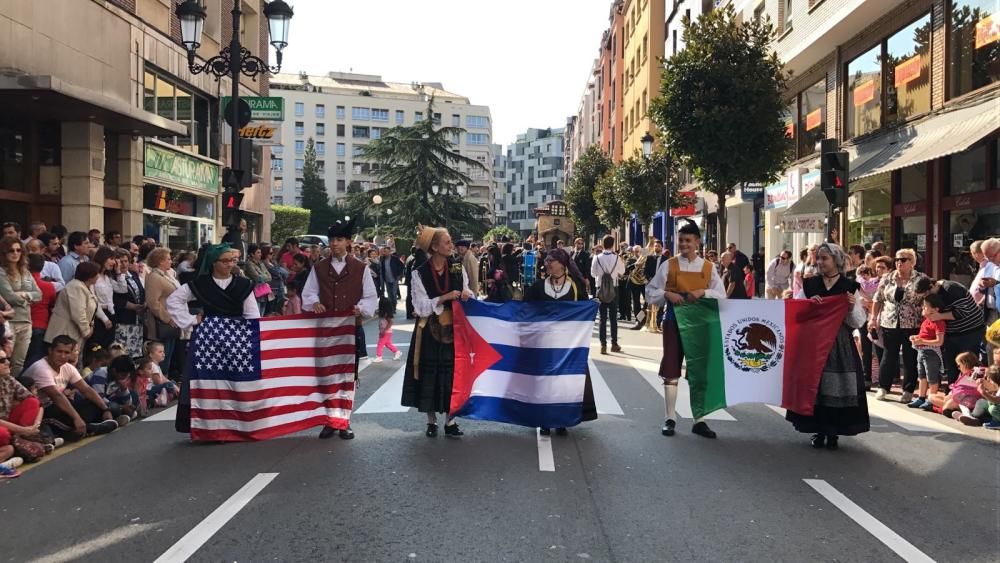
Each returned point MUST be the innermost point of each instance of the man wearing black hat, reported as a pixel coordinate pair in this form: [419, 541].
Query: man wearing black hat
[338, 283]
[469, 262]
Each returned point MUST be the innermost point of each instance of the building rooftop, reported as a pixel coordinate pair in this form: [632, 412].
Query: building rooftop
[363, 84]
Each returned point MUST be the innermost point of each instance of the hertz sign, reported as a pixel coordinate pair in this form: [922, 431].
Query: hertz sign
[264, 133]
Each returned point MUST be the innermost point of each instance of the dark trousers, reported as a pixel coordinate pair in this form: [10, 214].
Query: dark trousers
[955, 344]
[637, 292]
[37, 349]
[897, 339]
[866, 352]
[88, 412]
[624, 297]
[608, 310]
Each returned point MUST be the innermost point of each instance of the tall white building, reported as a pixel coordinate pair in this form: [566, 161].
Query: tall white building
[343, 112]
[499, 186]
[535, 175]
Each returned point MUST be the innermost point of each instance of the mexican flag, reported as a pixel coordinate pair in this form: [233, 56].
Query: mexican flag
[757, 351]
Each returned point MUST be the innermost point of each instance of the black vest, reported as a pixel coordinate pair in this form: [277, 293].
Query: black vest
[449, 281]
[218, 302]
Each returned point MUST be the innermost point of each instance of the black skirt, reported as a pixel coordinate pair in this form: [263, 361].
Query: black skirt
[432, 391]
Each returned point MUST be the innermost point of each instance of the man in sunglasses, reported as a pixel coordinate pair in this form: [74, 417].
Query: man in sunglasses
[780, 272]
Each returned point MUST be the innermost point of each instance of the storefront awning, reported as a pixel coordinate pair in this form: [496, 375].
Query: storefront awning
[933, 137]
[47, 98]
[813, 203]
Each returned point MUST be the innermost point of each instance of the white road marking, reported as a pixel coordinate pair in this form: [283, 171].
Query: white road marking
[546, 462]
[193, 540]
[603, 397]
[912, 421]
[166, 415]
[386, 398]
[650, 372]
[78, 551]
[882, 533]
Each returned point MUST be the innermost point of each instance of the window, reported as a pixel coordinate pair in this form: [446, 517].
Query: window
[320, 111]
[340, 129]
[341, 167]
[456, 120]
[787, 21]
[277, 200]
[437, 118]
[162, 97]
[864, 93]
[300, 147]
[277, 164]
[359, 132]
[418, 116]
[788, 116]
[380, 115]
[360, 114]
[321, 165]
[400, 116]
[908, 71]
[477, 138]
[477, 122]
[320, 129]
[298, 201]
[299, 165]
[967, 171]
[276, 150]
[456, 138]
[341, 149]
[298, 183]
[812, 118]
[341, 186]
[300, 109]
[973, 45]
[300, 128]
[356, 150]
[320, 148]
[376, 132]
[356, 168]
[642, 48]
[758, 15]
[341, 112]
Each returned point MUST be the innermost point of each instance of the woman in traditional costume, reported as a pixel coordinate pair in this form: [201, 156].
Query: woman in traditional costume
[564, 282]
[841, 407]
[430, 365]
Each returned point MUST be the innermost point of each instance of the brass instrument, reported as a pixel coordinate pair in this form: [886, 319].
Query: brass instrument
[651, 313]
[638, 275]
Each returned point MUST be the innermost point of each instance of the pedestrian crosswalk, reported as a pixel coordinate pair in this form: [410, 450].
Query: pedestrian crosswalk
[650, 372]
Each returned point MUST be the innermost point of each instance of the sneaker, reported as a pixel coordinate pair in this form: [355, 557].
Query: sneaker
[58, 442]
[917, 403]
[957, 415]
[123, 419]
[13, 463]
[927, 406]
[8, 473]
[377, 360]
[992, 425]
[880, 394]
[616, 348]
[965, 419]
[906, 397]
[104, 427]
[397, 356]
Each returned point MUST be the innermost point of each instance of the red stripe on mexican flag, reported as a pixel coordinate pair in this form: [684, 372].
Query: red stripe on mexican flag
[757, 351]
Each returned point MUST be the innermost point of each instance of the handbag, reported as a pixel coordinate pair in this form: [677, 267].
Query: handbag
[166, 331]
[261, 290]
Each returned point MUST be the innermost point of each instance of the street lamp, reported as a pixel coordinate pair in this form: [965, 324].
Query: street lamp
[234, 59]
[376, 199]
[435, 189]
[647, 145]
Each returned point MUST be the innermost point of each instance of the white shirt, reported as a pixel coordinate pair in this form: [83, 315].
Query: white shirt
[655, 288]
[104, 289]
[369, 297]
[554, 293]
[607, 262]
[987, 270]
[51, 270]
[178, 309]
[424, 306]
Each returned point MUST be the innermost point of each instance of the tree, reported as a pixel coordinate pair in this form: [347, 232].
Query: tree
[607, 197]
[720, 104]
[409, 163]
[499, 231]
[646, 185]
[288, 222]
[581, 187]
[314, 196]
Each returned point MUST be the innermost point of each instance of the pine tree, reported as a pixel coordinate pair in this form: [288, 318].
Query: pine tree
[314, 196]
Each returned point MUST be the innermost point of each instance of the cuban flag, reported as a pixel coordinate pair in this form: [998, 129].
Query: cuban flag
[522, 363]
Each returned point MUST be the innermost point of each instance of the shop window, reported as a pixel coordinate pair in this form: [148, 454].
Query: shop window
[12, 159]
[967, 171]
[965, 226]
[864, 93]
[913, 183]
[868, 210]
[789, 117]
[812, 118]
[911, 232]
[973, 45]
[908, 71]
[168, 100]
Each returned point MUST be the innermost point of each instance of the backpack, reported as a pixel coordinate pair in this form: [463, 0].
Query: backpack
[606, 292]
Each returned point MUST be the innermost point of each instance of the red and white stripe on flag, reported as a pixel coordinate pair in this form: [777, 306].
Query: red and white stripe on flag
[263, 378]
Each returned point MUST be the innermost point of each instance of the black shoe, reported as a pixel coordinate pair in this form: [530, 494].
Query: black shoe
[544, 431]
[432, 431]
[327, 432]
[616, 348]
[347, 434]
[103, 427]
[452, 431]
[831, 442]
[702, 429]
[561, 431]
[637, 325]
[668, 428]
[818, 441]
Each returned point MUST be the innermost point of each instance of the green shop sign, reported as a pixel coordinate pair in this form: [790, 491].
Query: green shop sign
[261, 108]
[180, 169]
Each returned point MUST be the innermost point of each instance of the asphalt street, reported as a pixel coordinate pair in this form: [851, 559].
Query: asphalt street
[918, 487]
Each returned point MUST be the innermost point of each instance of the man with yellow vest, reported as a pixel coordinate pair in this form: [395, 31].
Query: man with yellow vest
[686, 277]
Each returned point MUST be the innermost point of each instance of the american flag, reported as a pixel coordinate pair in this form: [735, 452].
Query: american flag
[262, 378]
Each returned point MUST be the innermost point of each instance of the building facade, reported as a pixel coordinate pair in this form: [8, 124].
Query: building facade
[499, 185]
[110, 130]
[611, 62]
[343, 112]
[642, 50]
[535, 176]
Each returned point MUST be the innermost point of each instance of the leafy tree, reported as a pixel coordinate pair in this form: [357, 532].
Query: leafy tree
[495, 233]
[581, 187]
[314, 196]
[288, 222]
[607, 197]
[721, 101]
[410, 162]
[647, 184]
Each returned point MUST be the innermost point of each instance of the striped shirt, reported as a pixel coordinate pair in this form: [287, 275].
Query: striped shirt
[959, 302]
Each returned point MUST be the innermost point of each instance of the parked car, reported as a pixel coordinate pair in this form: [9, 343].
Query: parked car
[305, 241]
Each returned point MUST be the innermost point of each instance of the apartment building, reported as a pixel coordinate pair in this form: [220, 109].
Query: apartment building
[499, 185]
[611, 62]
[343, 112]
[642, 49]
[534, 174]
[103, 126]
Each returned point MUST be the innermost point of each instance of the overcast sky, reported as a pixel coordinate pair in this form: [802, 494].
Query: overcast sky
[528, 60]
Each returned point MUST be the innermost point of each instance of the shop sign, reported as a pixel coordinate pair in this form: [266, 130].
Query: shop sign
[684, 210]
[804, 224]
[958, 240]
[814, 119]
[864, 93]
[750, 192]
[262, 133]
[262, 108]
[178, 168]
[809, 182]
[907, 71]
[987, 31]
[963, 202]
[921, 242]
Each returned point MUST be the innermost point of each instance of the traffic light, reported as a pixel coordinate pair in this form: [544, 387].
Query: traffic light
[835, 175]
[231, 207]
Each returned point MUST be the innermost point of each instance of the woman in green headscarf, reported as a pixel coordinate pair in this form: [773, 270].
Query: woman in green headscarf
[220, 294]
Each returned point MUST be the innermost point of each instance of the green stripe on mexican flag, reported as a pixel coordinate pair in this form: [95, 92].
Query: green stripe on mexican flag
[757, 351]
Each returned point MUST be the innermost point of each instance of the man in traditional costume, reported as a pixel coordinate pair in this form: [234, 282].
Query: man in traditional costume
[341, 282]
[683, 278]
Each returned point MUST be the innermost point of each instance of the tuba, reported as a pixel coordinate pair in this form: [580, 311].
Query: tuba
[638, 275]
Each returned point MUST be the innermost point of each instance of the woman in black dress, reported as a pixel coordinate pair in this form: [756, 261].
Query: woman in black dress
[563, 282]
[430, 365]
[841, 407]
